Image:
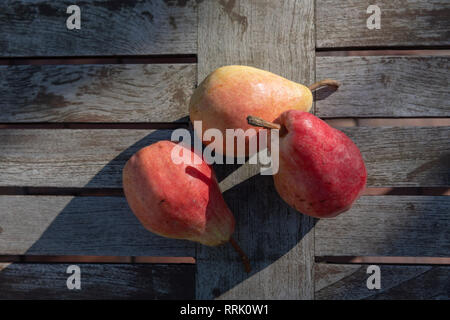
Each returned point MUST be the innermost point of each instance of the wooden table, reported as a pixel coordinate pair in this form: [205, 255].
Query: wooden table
[72, 116]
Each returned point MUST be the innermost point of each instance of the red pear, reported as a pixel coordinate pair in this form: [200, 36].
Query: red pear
[179, 200]
[321, 171]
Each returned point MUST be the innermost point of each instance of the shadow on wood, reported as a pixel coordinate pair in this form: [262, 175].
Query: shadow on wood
[269, 231]
[274, 236]
[101, 225]
[66, 225]
[97, 281]
[324, 92]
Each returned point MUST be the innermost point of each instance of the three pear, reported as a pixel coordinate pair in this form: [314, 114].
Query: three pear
[321, 170]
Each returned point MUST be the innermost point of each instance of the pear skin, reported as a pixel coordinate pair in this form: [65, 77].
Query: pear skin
[321, 171]
[230, 93]
[181, 201]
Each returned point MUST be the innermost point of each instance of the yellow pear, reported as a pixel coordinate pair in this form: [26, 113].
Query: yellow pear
[229, 94]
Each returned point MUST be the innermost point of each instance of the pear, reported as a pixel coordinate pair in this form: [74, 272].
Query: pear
[230, 93]
[321, 171]
[180, 200]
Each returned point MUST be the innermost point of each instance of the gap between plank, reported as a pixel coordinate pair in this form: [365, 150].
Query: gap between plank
[118, 192]
[61, 191]
[334, 122]
[95, 259]
[380, 51]
[407, 191]
[149, 59]
[99, 125]
[387, 122]
[383, 260]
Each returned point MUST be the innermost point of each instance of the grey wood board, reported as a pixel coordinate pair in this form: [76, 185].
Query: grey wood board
[411, 226]
[65, 225]
[70, 158]
[394, 156]
[404, 156]
[96, 93]
[98, 281]
[398, 282]
[384, 86]
[108, 27]
[403, 23]
[278, 37]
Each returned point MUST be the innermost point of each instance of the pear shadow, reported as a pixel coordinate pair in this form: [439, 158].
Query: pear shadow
[195, 173]
[324, 92]
[105, 225]
[266, 229]
[434, 168]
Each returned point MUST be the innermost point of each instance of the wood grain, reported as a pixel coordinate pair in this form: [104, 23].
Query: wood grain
[404, 156]
[108, 27]
[275, 36]
[98, 281]
[395, 157]
[411, 226]
[70, 158]
[348, 282]
[96, 93]
[279, 37]
[384, 86]
[403, 23]
[63, 225]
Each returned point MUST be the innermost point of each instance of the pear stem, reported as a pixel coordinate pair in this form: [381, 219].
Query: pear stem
[324, 83]
[258, 122]
[242, 254]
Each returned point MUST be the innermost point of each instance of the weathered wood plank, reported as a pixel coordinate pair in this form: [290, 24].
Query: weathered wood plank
[279, 37]
[384, 86]
[401, 157]
[404, 156]
[264, 34]
[403, 23]
[388, 226]
[345, 282]
[63, 225]
[70, 158]
[96, 93]
[98, 281]
[108, 27]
